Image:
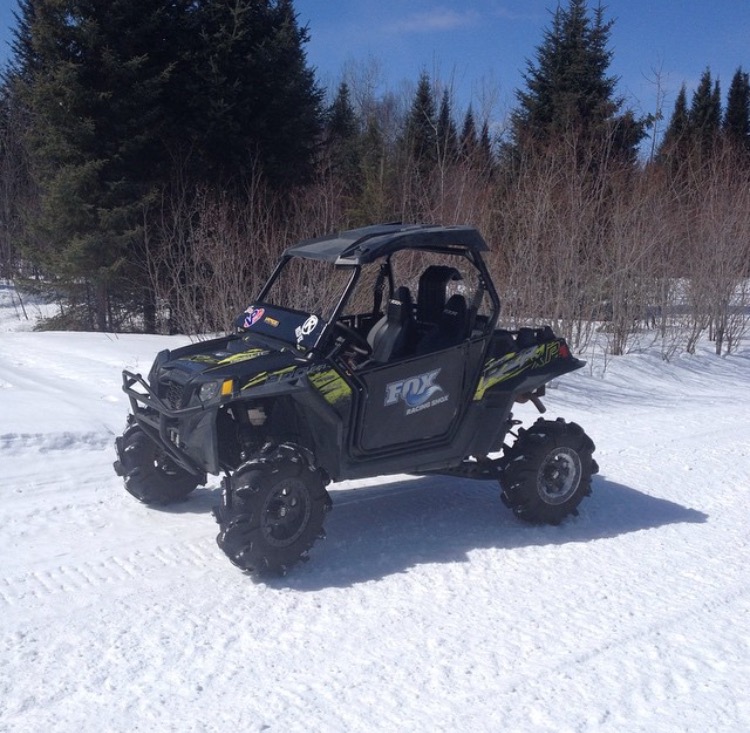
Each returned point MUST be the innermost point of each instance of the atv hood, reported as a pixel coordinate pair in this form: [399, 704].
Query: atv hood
[243, 357]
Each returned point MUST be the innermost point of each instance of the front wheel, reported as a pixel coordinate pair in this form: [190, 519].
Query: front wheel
[151, 476]
[548, 471]
[272, 512]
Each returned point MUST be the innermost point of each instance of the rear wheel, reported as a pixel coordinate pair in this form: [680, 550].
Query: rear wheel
[151, 476]
[272, 512]
[548, 471]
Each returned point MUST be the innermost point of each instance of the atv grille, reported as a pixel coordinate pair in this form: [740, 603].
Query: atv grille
[172, 394]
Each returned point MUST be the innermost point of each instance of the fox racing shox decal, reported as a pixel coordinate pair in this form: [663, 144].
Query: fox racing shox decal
[418, 393]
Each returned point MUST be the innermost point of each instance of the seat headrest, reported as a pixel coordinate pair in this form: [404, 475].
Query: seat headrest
[440, 274]
[455, 309]
[431, 295]
[399, 306]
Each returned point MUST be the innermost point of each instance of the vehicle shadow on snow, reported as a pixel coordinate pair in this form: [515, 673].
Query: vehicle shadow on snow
[378, 531]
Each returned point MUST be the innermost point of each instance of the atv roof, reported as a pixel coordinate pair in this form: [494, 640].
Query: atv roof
[360, 246]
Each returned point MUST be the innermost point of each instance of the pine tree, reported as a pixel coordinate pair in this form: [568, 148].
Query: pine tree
[373, 199]
[420, 136]
[447, 135]
[14, 180]
[253, 97]
[705, 113]
[486, 158]
[676, 140]
[568, 89]
[342, 139]
[94, 79]
[468, 141]
[736, 124]
[341, 121]
[119, 91]
[24, 60]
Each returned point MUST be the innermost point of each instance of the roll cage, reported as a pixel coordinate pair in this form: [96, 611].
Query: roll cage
[353, 250]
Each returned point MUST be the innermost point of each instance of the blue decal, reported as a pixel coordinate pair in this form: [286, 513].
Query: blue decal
[414, 391]
[253, 315]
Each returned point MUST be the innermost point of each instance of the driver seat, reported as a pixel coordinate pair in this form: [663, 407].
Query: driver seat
[392, 336]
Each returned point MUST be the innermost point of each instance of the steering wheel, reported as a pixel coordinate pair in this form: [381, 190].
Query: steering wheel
[356, 340]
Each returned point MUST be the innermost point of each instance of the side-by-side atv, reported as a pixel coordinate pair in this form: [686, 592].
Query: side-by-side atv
[368, 352]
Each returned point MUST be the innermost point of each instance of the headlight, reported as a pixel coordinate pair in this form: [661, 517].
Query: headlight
[208, 391]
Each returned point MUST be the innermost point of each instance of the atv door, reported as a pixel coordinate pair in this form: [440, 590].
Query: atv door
[414, 401]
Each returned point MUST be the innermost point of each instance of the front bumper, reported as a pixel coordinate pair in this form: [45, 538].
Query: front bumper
[187, 434]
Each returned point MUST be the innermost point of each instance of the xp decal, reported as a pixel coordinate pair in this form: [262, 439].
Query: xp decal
[511, 365]
[418, 392]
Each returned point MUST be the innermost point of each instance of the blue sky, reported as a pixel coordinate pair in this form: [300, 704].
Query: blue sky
[479, 47]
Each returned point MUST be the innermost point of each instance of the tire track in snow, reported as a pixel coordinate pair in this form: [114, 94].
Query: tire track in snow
[684, 433]
[86, 577]
[717, 602]
[707, 607]
[43, 442]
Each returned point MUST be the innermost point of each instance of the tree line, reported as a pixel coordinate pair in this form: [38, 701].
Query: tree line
[155, 158]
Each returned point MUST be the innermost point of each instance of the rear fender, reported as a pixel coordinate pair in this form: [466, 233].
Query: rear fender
[525, 371]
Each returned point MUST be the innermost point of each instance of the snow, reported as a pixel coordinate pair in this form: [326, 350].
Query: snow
[428, 608]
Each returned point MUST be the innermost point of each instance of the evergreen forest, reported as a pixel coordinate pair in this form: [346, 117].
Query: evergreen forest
[156, 158]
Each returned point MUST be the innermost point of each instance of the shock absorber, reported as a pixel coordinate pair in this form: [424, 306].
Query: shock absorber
[250, 433]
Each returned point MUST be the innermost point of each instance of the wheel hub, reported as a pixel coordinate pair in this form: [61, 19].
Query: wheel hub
[559, 476]
[285, 514]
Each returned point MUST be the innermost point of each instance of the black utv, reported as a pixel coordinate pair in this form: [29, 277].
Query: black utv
[368, 352]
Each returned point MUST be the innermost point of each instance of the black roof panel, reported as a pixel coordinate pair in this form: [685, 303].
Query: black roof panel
[360, 246]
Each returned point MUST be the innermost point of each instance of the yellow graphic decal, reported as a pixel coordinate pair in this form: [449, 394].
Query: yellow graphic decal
[244, 356]
[329, 383]
[263, 377]
[233, 359]
[331, 386]
[202, 359]
[511, 365]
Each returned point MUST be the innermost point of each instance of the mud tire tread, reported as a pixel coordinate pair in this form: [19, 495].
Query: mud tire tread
[149, 476]
[249, 526]
[526, 458]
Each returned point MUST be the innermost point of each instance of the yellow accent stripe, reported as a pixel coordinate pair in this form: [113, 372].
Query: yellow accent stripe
[331, 386]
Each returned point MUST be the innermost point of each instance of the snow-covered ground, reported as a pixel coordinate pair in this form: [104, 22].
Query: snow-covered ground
[429, 607]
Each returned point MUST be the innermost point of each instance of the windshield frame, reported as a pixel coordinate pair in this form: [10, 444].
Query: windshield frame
[305, 342]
